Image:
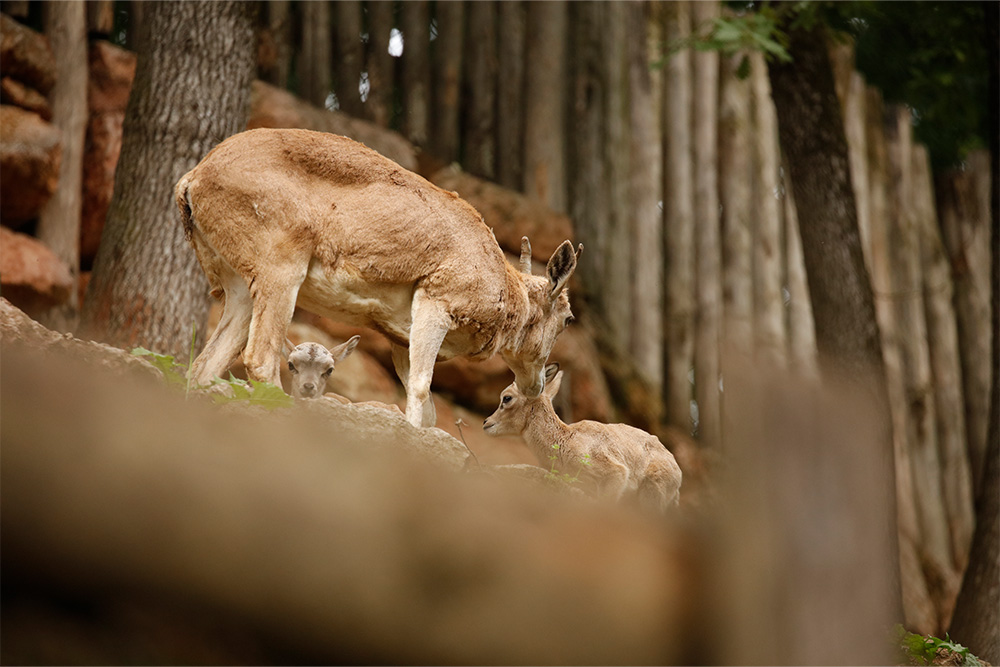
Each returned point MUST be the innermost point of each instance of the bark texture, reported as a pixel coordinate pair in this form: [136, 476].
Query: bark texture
[480, 89]
[381, 65]
[350, 57]
[416, 79]
[315, 62]
[192, 90]
[510, 94]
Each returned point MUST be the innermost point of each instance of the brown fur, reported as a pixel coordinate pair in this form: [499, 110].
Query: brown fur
[611, 460]
[280, 218]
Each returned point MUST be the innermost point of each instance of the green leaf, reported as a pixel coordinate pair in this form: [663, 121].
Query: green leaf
[173, 372]
[269, 396]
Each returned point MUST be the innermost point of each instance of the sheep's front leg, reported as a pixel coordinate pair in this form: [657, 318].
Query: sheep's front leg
[273, 307]
[229, 337]
[430, 324]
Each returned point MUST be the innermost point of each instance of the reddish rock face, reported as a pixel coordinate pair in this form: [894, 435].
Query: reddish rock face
[25, 55]
[17, 94]
[30, 154]
[31, 275]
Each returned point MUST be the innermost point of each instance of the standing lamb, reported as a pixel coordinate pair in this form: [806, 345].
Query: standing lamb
[286, 218]
[613, 460]
[311, 365]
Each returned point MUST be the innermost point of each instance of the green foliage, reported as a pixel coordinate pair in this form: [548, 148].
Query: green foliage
[921, 650]
[263, 394]
[565, 477]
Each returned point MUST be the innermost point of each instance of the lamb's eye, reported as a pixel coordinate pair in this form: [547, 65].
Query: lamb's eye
[569, 321]
[291, 366]
[327, 372]
[505, 400]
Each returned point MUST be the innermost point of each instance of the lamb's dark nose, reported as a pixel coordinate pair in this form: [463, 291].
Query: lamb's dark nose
[308, 387]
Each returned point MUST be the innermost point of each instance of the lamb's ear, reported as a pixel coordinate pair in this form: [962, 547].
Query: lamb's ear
[344, 349]
[560, 267]
[553, 378]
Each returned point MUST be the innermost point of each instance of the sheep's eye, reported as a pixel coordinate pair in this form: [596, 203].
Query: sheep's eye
[569, 321]
[291, 366]
[327, 372]
[505, 400]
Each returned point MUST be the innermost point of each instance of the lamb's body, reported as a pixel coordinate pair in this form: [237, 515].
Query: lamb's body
[280, 218]
[610, 460]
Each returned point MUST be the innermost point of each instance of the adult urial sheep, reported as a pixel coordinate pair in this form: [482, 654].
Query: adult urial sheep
[280, 218]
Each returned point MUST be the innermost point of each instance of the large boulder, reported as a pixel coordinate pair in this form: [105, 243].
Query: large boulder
[25, 55]
[17, 94]
[30, 156]
[31, 275]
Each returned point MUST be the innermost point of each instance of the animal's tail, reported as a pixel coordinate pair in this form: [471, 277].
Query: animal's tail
[183, 200]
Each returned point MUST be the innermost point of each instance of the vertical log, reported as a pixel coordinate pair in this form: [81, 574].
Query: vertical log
[617, 278]
[942, 338]
[315, 57]
[589, 178]
[510, 92]
[447, 78]
[381, 65]
[645, 91]
[768, 305]
[801, 329]
[416, 81]
[963, 211]
[921, 415]
[708, 255]
[347, 23]
[279, 28]
[100, 18]
[59, 221]
[853, 108]
[678, 210]
[544, 104]
[918, 608]
[735, 195]
[481, 89]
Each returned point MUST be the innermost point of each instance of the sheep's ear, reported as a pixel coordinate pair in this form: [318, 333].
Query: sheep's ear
[560, 267]
[344, 349]
[553, 379]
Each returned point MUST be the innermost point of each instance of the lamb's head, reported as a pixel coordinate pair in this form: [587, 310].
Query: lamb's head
[517, 410]
[311, 365]
[549, 314]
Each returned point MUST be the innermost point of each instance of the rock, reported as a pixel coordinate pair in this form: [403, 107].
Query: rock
[112, 70]
[17, 94]
[510, 214]
[274, 107]
[25, 55]
[31, 275]
[30, 154]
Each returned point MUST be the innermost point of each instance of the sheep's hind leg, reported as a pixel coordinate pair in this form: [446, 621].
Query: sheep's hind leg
[273, 307]
[229, 337]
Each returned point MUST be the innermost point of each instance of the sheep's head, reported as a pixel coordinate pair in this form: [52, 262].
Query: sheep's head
[311, 365]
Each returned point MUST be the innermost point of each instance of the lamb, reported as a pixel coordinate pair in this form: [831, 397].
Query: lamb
[311, 364]
[613, 461]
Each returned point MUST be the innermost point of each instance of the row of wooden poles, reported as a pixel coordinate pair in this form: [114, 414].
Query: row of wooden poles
[669, 165]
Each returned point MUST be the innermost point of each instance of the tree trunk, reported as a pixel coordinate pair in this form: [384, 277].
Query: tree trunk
[59, 221]
[646, 180]
[617, 292]
[192, 90]
[510, 95]
[349, 58]
[813, 141]
[315, 59]
[381, 65]
[544, 104]
[735, 192]
[480, 89]
[708, 250]
[977, 611]
[416, 81]
[768, 304]
[678, 210]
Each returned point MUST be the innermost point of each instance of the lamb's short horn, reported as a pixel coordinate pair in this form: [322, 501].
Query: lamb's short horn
[525, 255]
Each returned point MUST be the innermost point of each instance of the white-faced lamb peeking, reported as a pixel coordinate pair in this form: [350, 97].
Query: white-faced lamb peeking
[311, 365]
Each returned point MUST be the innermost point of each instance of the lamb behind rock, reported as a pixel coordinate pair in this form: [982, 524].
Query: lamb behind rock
[311, 365]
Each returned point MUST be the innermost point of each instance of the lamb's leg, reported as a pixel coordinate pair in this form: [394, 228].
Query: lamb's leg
[273, 307]
[229, 337]
[430, 324]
